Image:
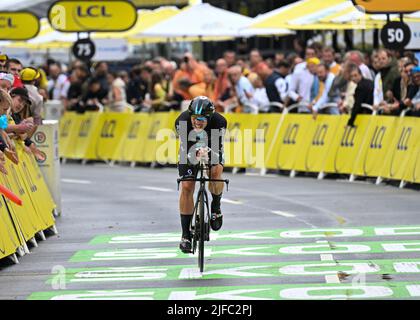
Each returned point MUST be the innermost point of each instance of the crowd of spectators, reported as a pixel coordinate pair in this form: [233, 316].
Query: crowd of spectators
[20, 110]
[320, 82]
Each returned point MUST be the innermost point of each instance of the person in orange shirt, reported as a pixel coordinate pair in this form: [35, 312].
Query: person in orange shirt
[191, 72]
[205, 88]
[255, 58]
[181, 82]
[221, 85]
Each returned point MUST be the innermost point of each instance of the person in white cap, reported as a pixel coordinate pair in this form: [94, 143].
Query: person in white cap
[6, 80]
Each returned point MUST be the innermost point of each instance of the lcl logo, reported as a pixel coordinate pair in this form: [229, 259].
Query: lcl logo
[84, 128]
[291, 134]
[7, 23]
[403, 140]
[66, 129]
[262, 126]
[94, 11]
[234, 132]
[108, 129]
[319, 136]
[378, 136]
[347, 140]
[134, 129]
[153, 130]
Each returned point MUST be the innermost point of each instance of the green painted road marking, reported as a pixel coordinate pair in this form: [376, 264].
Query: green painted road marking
[264, 234]
[250, 250]
[396, 290]
[237, 270]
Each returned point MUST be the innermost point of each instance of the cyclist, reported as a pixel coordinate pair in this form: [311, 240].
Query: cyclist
[201, 131]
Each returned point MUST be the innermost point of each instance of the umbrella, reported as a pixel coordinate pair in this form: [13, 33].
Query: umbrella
[320, 15]
[204, 21]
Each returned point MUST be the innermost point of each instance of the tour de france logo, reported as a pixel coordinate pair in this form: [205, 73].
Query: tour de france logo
[40, 137]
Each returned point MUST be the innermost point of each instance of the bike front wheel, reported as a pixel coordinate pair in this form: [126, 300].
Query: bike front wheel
[202, 232]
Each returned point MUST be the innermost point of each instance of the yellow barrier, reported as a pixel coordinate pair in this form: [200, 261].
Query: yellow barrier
[131, 147]
[9, 241]
[412, 173]
[19, 224]
[113, 127]
[271, 124]
[239, 142]
[376, 146]
[291, 140]
[167, 142]
[158, 121]
[317, 143]
[346, 146]
[84, 145]
[68, 133]
[26, 215]
[37, 189]
[403, 146]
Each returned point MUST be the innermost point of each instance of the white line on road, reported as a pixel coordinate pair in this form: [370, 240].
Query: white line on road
[76, 181]
[231, 201]
[254, 174]
[156, 189]
[284, 214]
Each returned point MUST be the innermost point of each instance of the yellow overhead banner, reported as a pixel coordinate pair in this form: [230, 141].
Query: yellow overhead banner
[388, 6]
[18, 25]
[92, 16]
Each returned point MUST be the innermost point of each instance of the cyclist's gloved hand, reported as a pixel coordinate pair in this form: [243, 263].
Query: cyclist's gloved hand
[202, 153]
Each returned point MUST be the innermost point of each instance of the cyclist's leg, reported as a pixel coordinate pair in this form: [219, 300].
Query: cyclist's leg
[216, 190]
[186, 205]
[216, 172]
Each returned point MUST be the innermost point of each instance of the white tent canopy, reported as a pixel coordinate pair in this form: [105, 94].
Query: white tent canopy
[204, 20]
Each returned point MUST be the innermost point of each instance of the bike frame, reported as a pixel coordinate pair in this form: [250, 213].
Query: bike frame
[200, 223]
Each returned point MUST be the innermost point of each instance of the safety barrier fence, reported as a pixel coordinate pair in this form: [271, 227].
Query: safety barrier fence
[22, 224]
[377, 146]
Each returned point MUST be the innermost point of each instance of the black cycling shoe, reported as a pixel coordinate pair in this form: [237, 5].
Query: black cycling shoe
[185, 245]
[216, 220]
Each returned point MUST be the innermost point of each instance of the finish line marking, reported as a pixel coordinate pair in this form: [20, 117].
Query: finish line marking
[237, 271]
[274, 234]
[398, 290]
[251, 250]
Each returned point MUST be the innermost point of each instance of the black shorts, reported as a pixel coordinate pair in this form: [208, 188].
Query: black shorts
[188, 171]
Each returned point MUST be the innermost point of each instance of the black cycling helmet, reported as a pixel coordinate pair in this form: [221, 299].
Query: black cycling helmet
[201, 106]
